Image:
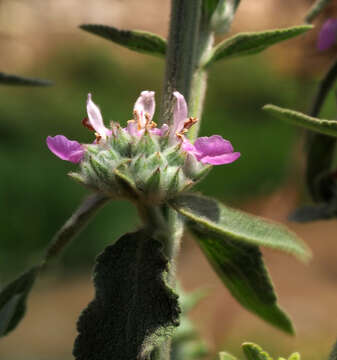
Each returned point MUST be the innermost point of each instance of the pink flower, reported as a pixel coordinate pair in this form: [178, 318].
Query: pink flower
[327, 35]
[214, 150]
[65, 149]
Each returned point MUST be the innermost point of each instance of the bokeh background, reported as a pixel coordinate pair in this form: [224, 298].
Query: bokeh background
[41, 38]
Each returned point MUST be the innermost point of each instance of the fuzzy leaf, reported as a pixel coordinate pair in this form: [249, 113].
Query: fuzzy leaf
[140, 41]
[133, 309]
[240, 267]
[244, 44]
[228, 238]
[254, 352]
[210, 215]
[8, 79]
[326, 127]
[13, 299]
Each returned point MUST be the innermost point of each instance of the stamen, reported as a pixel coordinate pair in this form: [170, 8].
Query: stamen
[137, 118]
[190, 122]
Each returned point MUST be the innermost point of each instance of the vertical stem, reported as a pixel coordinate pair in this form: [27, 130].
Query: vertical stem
[181, 52]
[316, 8]
[320, 148]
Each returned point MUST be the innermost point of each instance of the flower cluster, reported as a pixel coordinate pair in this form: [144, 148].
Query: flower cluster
[328, 35]
[142, 161]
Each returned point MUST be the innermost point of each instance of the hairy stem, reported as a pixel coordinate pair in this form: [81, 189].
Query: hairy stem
[181, 52]
[316, 8]
[320, 148]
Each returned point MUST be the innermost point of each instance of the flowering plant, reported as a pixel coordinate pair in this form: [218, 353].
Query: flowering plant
[138, 304]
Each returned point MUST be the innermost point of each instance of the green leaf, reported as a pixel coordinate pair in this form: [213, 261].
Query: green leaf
[254, 352]
[229, 238]
[240, 267]
[134, 309]
[140, 41]
[210, 215]
[244, 44]
[13, 299]
[225, 356]
[295, 356]
[8, 79]
[326, 127]
[333, 354]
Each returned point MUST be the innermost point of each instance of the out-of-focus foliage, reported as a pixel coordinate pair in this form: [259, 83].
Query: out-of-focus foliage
[37, 196]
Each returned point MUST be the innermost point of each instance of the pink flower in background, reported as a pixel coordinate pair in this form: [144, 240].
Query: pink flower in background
[328, 35]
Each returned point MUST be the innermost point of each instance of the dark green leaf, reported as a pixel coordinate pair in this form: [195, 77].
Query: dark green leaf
[333, 354]
[244, 44]
[240, 266]
[13, 299]
[134, 309]
[208, 214]
[8, 79]
[140, 41]
[313, 213]
[254, 352]
[327, 127]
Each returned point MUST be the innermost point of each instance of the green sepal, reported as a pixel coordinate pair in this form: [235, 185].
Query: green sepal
[207, 214]
[147, 145]
[134, 309]
[176, 181]
[140, 41]
[9, 79]
[121, 141]
[126, 183]
[326, 127]
[174, 155]
[244, 44]
[13, 299]
[153, 183]
[255, 352]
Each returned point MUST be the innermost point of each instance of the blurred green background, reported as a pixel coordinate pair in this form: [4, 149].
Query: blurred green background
[37, 196]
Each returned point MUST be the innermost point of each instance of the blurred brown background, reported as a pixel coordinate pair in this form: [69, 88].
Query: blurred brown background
[41, 38]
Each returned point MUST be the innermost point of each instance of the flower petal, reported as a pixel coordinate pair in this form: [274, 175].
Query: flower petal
[145, 104]
[95, 119]
[65, 149]
[212, 146]
[180, 113]
[160, 131]
[327, 35]
[220, 159]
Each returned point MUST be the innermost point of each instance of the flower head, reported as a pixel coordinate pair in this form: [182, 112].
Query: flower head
[142, 160]
[328, 35]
